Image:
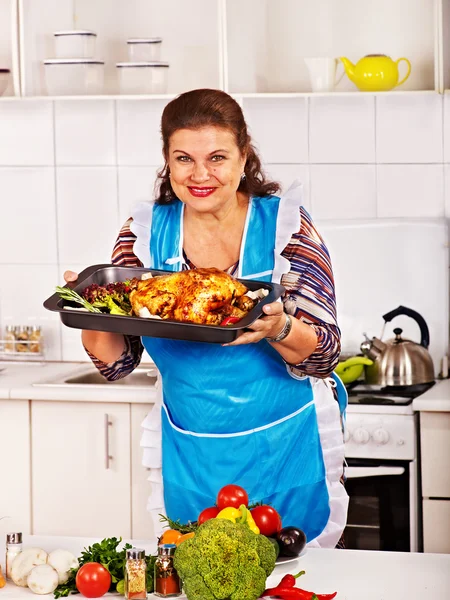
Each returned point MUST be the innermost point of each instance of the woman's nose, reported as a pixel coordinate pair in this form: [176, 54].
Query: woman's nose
[200, 173]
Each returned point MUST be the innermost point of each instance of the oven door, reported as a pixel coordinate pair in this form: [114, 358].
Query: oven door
[382, 507]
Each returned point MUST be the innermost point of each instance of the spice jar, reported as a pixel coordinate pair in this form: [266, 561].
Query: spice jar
[167, 581]
[10, 339]
[35, 339]
[21, 335]
[135, 575]
[13, 548]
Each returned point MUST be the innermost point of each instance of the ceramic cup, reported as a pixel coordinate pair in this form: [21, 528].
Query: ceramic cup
[322, 73]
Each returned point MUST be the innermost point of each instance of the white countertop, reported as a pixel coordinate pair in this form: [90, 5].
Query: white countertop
[354, 574]
[436, 399]
[18, 382]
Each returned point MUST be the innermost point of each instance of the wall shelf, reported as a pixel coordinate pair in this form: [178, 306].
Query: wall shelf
[249, 48]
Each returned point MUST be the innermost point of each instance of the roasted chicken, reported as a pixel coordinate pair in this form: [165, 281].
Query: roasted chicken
[204, 296]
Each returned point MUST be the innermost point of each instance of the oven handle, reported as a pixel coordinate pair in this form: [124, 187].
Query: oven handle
[360, 472]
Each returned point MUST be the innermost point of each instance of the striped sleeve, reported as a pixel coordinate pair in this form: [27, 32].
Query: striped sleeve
[311, 296]
[130, 358]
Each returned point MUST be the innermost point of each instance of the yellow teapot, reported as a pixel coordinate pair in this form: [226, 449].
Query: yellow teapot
[375, 72]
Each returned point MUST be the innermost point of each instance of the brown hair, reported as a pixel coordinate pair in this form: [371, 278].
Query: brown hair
[203, 108]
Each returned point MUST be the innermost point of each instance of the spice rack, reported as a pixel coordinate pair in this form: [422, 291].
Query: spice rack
[22, 342]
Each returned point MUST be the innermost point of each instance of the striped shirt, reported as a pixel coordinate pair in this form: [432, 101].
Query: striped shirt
[309, 297]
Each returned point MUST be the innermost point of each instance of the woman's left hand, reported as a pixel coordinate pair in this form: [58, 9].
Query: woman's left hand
[268, 326]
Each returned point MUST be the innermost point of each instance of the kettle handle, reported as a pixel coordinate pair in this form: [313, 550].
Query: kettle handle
[409, 312]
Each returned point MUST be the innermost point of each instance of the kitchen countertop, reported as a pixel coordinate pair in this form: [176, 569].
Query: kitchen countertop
[43, 381]
[436, 399]
[354, 574]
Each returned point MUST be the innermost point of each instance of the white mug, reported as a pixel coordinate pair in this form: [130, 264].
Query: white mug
[322, 73]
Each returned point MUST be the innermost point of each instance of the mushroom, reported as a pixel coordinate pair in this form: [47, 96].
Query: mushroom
[62, 561]
[24, 562]
[43, 579]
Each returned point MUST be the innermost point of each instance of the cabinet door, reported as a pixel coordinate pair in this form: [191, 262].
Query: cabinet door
[15, 493]
[141, 524]
[81, 469]
[435, 449]
[436, 526]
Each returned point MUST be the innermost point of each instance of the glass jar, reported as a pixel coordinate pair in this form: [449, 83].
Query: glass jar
[35, 339]
[13, 548]
[167, 581]
[10, 339]
[21, 335]
[135, 575]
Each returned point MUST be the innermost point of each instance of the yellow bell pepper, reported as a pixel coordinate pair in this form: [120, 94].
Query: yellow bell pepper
[239, 515]
[230, 513]
[248, 518]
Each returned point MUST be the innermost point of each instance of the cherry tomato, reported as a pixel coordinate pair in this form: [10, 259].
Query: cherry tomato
[267, 519]
[93, 580]
[208, 513]
[231, 495]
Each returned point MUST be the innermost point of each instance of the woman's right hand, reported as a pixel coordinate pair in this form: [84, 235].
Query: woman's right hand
[104, 345]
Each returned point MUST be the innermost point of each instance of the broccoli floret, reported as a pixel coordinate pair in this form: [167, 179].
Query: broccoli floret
[267, 553]
[224, 561]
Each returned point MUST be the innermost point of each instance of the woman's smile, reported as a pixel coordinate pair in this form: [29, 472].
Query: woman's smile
[201, 192]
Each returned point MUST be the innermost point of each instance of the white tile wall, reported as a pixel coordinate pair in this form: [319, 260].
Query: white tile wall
[70, 173]
[26, 133]
[87, 214]
[343, 191]
[270, 119]
[138, 132]
[85, 133]
[410, 190]
[409, 129]
[342, 129]
[446, 128]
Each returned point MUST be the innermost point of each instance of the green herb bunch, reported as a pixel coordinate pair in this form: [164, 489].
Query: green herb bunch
[114, 560]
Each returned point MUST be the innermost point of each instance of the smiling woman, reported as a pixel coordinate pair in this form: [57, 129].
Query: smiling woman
[227, 407]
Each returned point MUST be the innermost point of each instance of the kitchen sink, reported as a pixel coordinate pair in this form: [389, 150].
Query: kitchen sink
[139, 378]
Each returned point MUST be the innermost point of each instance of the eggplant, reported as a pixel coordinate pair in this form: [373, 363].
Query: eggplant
[291, 541]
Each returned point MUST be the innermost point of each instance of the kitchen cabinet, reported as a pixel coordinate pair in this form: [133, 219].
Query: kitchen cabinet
[81, 468]
[246, 47]
[15, 501]
[435, 465]
[141, 524]
[436, 526]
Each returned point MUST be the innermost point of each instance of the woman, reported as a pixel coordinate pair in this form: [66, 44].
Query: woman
[261, 411]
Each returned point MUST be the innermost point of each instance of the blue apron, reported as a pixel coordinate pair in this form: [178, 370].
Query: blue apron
[235, 414]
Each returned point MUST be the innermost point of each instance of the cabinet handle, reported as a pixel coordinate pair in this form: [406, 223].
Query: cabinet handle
[108, 457]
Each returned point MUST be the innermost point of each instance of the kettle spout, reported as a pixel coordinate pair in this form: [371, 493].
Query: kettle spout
[372, 348]
[349, 67]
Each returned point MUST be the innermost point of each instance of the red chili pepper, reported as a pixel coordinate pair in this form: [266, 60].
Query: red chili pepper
[230, 321]
[289, 580]
[286, 593]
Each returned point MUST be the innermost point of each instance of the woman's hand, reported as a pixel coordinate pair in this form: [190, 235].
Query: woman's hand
[268, 326]
[106, 346]
[70, 276]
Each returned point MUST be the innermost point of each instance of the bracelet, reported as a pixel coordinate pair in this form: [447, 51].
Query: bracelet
[284, 332]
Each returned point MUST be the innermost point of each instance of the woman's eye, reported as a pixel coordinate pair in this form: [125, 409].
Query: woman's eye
[183, 158]
[217, 158]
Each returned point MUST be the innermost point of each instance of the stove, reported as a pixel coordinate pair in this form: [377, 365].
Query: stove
[381, 450]
[365, 394]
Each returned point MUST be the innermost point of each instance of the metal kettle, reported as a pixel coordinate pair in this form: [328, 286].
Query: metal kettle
[399, 362]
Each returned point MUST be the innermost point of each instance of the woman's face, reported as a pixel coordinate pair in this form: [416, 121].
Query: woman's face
[205, 167]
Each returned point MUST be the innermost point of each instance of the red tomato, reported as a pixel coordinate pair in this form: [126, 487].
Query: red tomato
[231, 495]
[208, 513]
[267, 519]
[93, 580]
